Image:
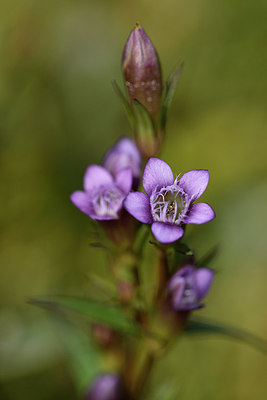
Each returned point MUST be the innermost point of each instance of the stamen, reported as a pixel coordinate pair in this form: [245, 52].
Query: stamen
[107, 201]
[169, 204]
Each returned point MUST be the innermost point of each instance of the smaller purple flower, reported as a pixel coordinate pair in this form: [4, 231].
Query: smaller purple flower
[167, 204]
[188, 287]
[106, 387]
[103, 195]
[124, 154]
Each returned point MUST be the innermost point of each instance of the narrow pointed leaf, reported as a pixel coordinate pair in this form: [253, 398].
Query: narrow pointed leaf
[202, 326]
[124, 102]
[97, 312]
[170, 87]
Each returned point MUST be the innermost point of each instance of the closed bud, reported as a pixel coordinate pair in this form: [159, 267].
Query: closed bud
[142, 73]
[188, 287]
[124, 154]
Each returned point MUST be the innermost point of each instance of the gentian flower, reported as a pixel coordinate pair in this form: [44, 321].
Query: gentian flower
[124, 154]
[106, 387]
[188, 287]
[167, 204]
[103, 195]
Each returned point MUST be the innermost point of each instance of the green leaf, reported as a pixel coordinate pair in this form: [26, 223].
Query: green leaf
[170, 87]
[97, 312]
[142, 122]
[202, 326]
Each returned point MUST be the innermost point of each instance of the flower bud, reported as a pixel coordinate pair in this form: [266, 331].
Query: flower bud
[103, 335]
[142, 73]
[188, 287]
[124, 154]
[106, 387]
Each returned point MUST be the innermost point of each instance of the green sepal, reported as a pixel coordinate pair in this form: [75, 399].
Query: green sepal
[125, 103]
[202, 326]
[106, 314]
[143, 124]
[168, 93]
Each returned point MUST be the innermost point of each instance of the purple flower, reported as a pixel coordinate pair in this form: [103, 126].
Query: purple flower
[106, 387]
[103, 195]
[167, 204]
[188, 287]
[124, 154]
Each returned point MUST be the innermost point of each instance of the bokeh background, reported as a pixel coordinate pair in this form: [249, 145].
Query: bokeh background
[58, 113]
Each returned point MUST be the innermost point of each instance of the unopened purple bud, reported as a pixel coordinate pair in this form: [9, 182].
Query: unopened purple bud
[142, 72]
[124, 154]
[188, 287]
[106, 387]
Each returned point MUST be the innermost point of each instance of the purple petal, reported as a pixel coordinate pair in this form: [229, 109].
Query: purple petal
[83, 202]
[122, 155]
[194, 182]
[157, 174]
[124, 180]
[178, 294]
[96, 176]
[199, 213]
[166, 233]
[137, 204]
[204, 278]
[126, 145]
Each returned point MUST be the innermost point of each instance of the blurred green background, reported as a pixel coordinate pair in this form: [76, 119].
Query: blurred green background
[58, 113]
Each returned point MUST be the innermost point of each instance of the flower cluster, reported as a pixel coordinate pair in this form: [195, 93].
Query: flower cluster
[168, 204]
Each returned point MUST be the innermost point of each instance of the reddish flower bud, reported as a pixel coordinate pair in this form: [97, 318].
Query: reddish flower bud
[142, 73]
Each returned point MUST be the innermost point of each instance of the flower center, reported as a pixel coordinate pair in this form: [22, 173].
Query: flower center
[169, 204]
[107, 201]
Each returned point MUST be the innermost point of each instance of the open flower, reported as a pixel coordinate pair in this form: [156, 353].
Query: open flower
[167, 204]
[188, 287]
[124, 154]
[103, 195]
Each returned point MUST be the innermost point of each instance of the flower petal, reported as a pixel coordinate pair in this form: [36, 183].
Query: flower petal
[204, 278]
[137, 204]
[127, 145]
[166, 233]
[124, 180]
[199, 213]
[83, 202]
[157, 173]
[178, 293]
[96, 176]
[122, 155]
[194, 182]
